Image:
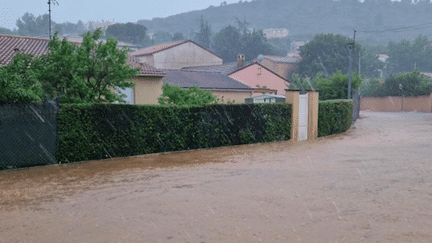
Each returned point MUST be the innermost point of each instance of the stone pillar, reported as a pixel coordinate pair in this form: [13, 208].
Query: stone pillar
[313, 115]
[292, 97]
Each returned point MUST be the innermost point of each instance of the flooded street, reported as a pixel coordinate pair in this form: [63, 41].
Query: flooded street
[371, 184]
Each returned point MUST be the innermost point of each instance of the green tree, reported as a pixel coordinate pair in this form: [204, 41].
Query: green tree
[193, 96]
[30, 25]
[254, 44]
[334, 86]
[88, 73]
[405, 56]
[326, 53]
[161, 37]
[177, 36]
[5, 31]
[227, 43]
[203, 36]
[68, 28]
[19, 81]
[129, 32]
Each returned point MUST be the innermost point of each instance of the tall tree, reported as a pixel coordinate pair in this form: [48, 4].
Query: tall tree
[129, 32]
[405, 56]
[203, 36]
[88, 73]
[178, 36]
[161, 37]
[28, 24]
[227, 43]
[326, 53]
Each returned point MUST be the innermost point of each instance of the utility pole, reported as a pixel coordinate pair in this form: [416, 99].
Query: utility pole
[49, 10]
[351, 46]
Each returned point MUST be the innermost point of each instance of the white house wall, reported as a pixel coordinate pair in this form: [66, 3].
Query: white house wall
[185, 55]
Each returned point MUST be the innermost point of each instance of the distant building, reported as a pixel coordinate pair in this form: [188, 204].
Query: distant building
[383, 57]
[275, 33]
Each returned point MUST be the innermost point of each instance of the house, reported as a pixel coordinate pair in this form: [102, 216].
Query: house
[148, 83]
[265, 98]
[383, 57]
[222, 86]
[283, 66]
[177, 54]
[275, 33]
[251, 73]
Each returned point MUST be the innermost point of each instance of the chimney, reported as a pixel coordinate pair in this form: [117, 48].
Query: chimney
[240, 60]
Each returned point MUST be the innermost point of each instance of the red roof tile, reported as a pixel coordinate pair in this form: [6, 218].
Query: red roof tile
[146, 69]
[11, 45]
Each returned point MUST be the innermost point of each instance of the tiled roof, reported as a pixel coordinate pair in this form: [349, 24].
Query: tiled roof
[157, 48]
[10, 45]
[205, 80]
[146, 69]
[164, 46]
[226, 68]
[285, 59]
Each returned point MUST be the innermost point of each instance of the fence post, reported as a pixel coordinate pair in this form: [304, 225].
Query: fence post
[292, 97]
[313, 115]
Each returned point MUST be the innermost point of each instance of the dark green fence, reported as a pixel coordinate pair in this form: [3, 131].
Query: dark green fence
[28, 134]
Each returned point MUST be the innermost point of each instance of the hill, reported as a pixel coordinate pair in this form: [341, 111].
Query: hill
[304, 18]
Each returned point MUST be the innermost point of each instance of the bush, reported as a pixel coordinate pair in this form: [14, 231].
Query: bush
[90, 132]
[334, 116]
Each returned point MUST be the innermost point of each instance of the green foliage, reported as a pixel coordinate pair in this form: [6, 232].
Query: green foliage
[203, 36]
[161, 37]
[330, 88]
[19, 81]
[5, 31]
[334, 116]
[193, 96]
[68, 28]
[111, 130]
[413, 84]
[405, 56]
[227, 43]
[328, 53]
[28, 24]
[178, 36]
[129, 32]
[231, 41]
[87, 73]
[335, 86]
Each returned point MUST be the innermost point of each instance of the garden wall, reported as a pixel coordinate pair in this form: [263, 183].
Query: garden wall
[397, 103]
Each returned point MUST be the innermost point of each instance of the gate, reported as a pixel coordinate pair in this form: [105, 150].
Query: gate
[303, 117]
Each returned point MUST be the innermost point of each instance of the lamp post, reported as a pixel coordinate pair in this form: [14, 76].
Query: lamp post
[401, 88]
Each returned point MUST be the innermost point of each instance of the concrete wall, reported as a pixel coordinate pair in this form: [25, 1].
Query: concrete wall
[397, 103]
[147, 90]
[185, 55]
[230, 96]
[255, 76]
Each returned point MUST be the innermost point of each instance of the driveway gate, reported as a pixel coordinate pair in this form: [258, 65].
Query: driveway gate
[303, 117]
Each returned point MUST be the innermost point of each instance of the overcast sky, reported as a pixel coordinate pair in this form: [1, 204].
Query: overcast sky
[95, 10]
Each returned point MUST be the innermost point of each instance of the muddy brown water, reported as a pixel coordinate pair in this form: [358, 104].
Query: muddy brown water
[370, 184]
